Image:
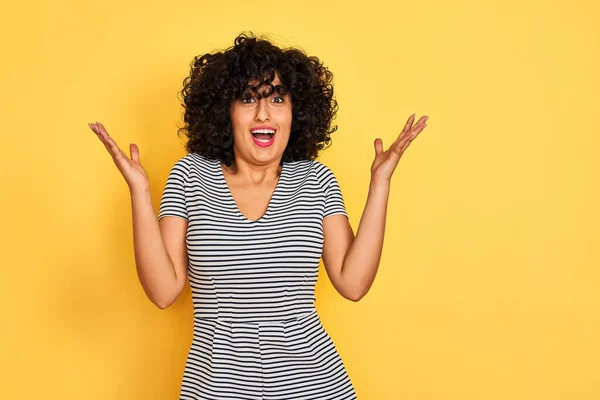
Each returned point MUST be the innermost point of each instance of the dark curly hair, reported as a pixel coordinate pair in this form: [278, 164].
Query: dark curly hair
[217, 79]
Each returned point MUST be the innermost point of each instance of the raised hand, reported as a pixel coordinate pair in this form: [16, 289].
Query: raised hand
[131, 169]
[386, 161]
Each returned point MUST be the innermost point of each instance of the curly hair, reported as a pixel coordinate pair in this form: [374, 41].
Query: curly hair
[217, 79]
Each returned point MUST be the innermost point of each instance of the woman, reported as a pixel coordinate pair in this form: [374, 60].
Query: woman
[246, 216]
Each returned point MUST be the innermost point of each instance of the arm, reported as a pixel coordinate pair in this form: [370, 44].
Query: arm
[352, 262]
[160, 251]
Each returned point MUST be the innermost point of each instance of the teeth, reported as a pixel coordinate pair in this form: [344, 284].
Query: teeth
[269, 131]
[264, 141]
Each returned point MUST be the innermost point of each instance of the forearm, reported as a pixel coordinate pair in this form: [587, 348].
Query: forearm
[363, 257]
[154, 267]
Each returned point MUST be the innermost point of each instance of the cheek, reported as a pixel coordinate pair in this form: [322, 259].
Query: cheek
[286, 117]
[239, 121]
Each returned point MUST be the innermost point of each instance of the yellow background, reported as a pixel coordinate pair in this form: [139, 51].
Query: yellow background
[489, 282]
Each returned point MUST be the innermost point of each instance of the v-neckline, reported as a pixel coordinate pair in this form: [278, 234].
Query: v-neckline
[232, 200]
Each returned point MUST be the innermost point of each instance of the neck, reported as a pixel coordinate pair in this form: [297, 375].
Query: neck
[254, 173]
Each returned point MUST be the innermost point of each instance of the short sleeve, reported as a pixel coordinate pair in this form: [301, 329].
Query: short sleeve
[173, 201]
[334, 201]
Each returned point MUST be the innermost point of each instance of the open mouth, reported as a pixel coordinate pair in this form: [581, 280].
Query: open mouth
[263, 137]
[263, 134]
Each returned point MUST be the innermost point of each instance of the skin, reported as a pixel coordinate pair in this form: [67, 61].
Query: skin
[255, 173]
[351, 261]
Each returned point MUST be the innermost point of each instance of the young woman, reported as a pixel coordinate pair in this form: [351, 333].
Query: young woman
[247, 215]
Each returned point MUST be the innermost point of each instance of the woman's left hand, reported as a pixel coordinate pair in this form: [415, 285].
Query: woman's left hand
[386, 161]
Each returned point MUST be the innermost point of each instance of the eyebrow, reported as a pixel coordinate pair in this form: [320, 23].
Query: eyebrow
[270, 90]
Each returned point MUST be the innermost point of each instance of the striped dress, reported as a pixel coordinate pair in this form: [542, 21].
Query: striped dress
[257, 334]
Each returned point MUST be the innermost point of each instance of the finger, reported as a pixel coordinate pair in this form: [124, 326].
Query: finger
[409, 123]
[404, 139]
[100, 136]
[109, 140]
[403, 142]
[405, 146]
[134, 151]
[422, 120]
[403, 136]
[94, 128]
[97, 131]
[117, 150]
[113, 148]
[410, 138]
[416, 130]
[398, 149]
[378, 146]
[102, 129]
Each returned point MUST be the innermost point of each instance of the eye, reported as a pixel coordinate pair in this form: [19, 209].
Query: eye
[280, 98]
[246, 100]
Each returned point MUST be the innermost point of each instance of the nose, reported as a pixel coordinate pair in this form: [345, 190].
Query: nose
[262, 111]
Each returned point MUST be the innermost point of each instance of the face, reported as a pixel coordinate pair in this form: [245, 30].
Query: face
[261, 127]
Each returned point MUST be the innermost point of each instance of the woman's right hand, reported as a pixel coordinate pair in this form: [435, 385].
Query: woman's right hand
[131, 169]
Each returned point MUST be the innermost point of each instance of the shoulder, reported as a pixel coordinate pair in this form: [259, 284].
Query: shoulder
[193, 161]
[193, 167]
[194, 158]
[320, 168]
[324, 174]
[315, 168]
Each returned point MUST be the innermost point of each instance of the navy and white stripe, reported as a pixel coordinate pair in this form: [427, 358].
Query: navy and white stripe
[257, 334]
